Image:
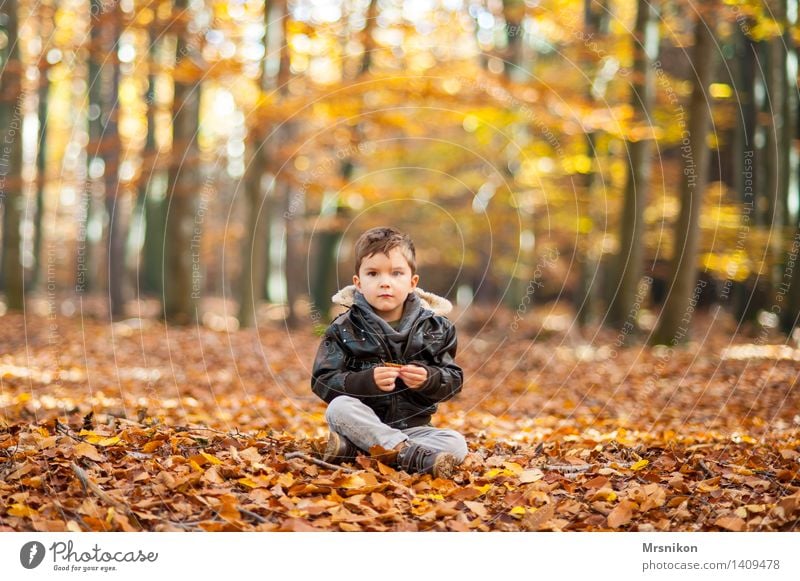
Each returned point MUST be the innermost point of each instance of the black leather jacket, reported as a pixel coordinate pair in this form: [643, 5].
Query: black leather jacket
[355, 343]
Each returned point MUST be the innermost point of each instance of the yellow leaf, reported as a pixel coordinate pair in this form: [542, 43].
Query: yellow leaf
[211, 458]
[515, 468]
[113, 441]
[195, 466]
[86, 450]
[517, 511]
[483, 489]
[21, 510]
[605, 494]
[353, 481]
[286, 479]
[247, 482]
[640, 464]
[495, 472]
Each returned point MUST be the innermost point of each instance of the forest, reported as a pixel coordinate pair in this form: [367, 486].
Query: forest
[608, 191]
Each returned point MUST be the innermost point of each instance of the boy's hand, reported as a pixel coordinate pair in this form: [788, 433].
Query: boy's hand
[413, 375]
[385, 377]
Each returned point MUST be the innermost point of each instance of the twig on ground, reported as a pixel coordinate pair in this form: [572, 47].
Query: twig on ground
[568, 468]
[255, 516]
[89, 484]
[67, 431]
[317, 461]
[706, 470]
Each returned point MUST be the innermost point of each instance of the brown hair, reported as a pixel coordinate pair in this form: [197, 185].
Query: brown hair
[383, 240]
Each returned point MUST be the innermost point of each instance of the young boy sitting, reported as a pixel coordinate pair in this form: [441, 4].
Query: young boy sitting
[384, 364]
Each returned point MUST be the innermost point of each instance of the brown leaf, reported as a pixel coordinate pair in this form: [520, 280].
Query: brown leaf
[731, 523]
[297, 525]
[534, 521]
[621, 515]
[477, 507]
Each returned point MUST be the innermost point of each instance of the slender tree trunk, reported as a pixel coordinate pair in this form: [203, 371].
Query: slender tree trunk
[596, 17]
[513, 14]
[368, 38]
[115, 209]
[330, 233]
[11, 199]
[774, 155]
[790, 282]
[328, 236]
[85, 272]
[182, 263]
[674, 321]
[150, 197]
[45, 31]
[292, 201]
[746, 158]
[628, 269]
[256, 248]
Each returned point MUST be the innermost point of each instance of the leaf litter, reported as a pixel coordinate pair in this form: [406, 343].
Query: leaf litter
[170, 429]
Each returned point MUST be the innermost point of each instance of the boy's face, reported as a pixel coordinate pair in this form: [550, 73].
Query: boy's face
[386, 281]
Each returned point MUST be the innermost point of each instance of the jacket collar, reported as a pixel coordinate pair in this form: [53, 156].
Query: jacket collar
[433, 302]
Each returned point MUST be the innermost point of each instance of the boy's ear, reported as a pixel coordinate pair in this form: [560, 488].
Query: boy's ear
[356, 281]
[414, 281]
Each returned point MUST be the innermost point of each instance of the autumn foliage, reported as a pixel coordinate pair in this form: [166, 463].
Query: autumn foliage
[140, 426]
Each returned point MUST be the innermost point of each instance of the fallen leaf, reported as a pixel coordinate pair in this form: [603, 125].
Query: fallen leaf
[621, 515]
[731, 523]
[86, 450]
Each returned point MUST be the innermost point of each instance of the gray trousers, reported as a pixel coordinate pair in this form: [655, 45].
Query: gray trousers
[356, 421]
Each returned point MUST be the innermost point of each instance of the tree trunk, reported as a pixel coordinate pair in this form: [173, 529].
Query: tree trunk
[746, 159]
[11, 118]
[513, 14]
[596, 24]
[151, 194]
[330, 231]
[791, 267]
[675, 318]
[183, 274]
[117, 217]
[628, 268]
[292, 201]
[256, 244]
[775, 71]
[369, 39]
[45, 31]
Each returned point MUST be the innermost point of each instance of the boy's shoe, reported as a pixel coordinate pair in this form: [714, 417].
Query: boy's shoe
[415, 458]
[339, 449]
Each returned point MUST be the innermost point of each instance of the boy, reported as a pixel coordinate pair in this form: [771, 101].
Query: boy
[384, 364]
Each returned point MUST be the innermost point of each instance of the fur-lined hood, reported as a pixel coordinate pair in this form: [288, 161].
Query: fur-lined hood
[432, 302]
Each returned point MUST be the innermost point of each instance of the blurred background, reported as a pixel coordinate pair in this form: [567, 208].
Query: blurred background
[629, 162]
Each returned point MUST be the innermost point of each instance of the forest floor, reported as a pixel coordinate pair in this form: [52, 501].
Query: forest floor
[138, 425]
